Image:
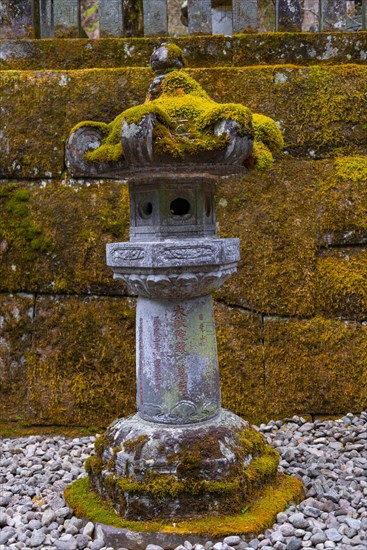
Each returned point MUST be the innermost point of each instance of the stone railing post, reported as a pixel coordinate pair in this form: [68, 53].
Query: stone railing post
[59, 19]
[155, 16]
[200, 16]
[245, 15]
[111, 21]
[333, 15]
[288, 17]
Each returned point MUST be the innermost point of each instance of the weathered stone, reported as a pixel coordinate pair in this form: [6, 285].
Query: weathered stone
[210, 454]
[310, 15]
[200, 16]
[289, 16]
[245, 15]
[16, 314]
[333, 15]
[222, 20]
[16, 20]
[66, 18]
[155, 17]
[110, 18]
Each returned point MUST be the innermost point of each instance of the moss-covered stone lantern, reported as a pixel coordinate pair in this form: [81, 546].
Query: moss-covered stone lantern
[181, 455]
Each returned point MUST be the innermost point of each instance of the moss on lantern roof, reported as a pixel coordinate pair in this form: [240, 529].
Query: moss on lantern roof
[185, 120]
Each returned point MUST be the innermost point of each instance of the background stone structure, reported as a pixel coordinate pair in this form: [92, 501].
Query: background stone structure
[291, 325]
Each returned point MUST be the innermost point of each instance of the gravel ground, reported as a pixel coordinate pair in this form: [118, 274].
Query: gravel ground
[330, 457]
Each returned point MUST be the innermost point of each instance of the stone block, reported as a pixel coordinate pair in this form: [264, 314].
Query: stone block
[222, 20]
[53, 236]
[341, 283]
[81, 368]
[155, 17]
[16, 314]
[332, 102]
[240, 356]
[16, 19]
[33, 129]
[316, 366]
[342, 198]
[200, 16]
[245, 15]
[110, 18]
[275, 217]
[289, 15]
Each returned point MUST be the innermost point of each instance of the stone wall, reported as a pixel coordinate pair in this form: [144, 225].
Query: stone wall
[292, 328]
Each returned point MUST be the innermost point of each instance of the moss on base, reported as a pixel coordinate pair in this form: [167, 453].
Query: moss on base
[261, 511]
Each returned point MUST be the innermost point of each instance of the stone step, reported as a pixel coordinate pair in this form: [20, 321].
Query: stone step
[304, 48]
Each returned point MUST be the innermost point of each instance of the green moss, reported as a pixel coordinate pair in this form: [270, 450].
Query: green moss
[261, 513]
[94, 464]
[99, 445]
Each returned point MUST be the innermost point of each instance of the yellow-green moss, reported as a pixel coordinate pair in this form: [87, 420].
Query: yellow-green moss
[353, 169]
[135, 444]
[341, 283]
[186, 117]
[161, 486]
[321, 363]
[261, 513]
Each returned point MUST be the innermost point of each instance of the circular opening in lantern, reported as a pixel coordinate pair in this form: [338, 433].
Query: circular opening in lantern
[145, 209]
[179, 207]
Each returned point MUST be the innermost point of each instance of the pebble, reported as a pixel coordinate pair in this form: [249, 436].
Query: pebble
[330, 457]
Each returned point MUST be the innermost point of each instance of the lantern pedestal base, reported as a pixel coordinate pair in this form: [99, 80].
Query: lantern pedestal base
[152, 471]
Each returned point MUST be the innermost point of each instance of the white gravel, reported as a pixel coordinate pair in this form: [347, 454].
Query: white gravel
[330, 457]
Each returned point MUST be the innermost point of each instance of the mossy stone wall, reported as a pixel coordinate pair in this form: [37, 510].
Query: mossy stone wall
[291, 325]
[321, 110]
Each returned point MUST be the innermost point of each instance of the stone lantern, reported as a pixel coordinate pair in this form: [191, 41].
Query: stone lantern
[181, 454]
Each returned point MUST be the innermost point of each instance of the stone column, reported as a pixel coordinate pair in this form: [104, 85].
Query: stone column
[110, 18]
[289, 16]
[245, 15]
[177, 365]
[155, 17]
[333, 15]
[200, 16]
[16, 19]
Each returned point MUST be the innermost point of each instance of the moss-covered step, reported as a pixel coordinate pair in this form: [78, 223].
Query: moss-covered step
[201, 51]
[316, 366]
[257, 515]
[321, 110]
[81, 369]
